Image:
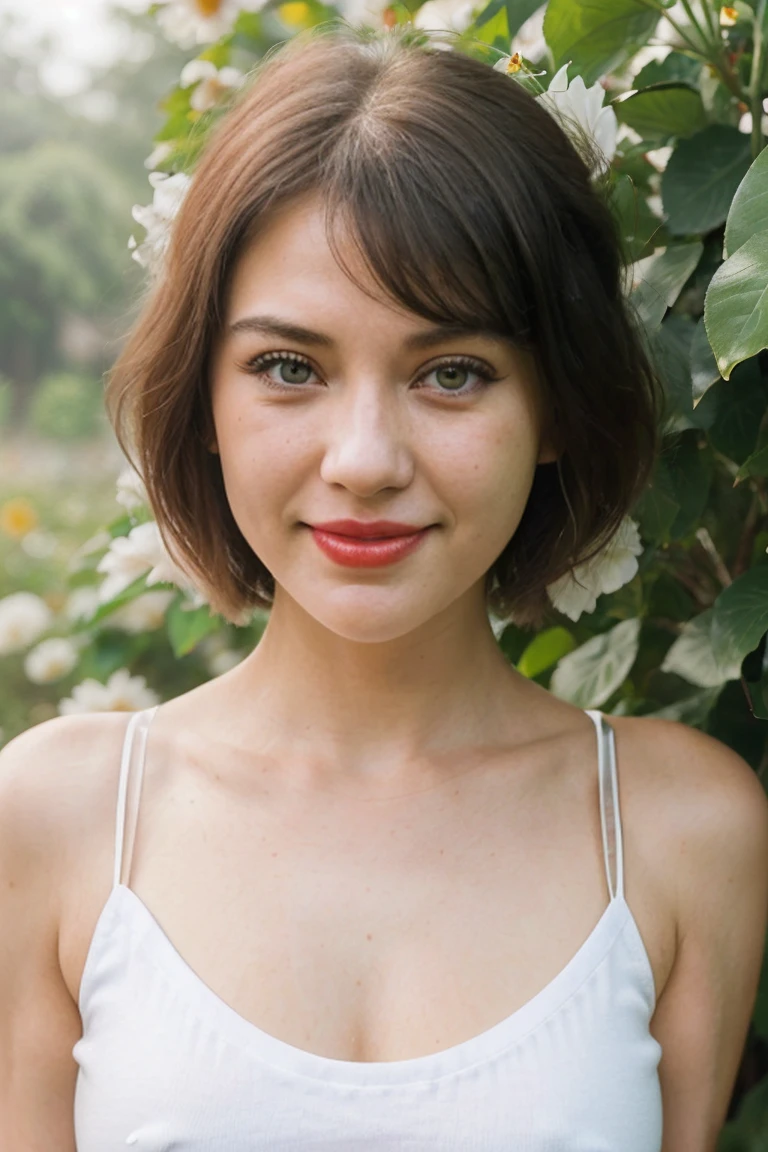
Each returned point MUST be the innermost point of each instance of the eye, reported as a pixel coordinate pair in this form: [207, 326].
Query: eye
[451, 375]
[293, 370]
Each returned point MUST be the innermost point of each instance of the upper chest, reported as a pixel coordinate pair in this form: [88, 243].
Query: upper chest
[379, 929]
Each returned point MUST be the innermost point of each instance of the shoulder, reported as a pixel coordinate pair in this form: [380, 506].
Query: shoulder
[706, 799]
[52, 776]
[709, 810]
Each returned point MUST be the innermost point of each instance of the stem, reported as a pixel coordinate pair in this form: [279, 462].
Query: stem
[690, 13]
[708, 544]
[695, 48]
[755, 89]
[714, 27]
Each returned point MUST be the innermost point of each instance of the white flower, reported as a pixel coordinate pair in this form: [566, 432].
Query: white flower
[51, 660]
[82, 603]
[612, 568]
[23, 618]
[157, 218]
[528, 41]
[131, 492]
[576, 105]
[142, 550]
[143, 614]
[444, 15]
[210, 83]
[159, 153]
[190, 22]
[121, 693]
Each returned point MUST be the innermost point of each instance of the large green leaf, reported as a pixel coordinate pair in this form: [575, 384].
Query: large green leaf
[662, 112]
[736, 305]
[693, 657]
[701, 177]
[597, 35]
[657, 280]
[740, 615]
[749, 211]
[675, 68]
[591, 673]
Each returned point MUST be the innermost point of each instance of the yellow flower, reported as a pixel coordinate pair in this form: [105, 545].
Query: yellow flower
[17, 517]
[728, 16]
[208, 8]
[294, 13]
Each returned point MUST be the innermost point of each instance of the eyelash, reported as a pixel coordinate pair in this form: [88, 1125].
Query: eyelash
[257, 363]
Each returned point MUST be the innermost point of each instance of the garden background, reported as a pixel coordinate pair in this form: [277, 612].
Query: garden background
[94, 615]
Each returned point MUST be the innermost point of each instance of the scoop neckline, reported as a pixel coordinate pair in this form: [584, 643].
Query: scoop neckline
[149, 942]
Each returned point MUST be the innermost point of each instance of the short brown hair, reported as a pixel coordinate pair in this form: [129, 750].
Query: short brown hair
[470, 204]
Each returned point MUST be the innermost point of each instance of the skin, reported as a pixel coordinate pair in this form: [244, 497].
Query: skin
[373, 432]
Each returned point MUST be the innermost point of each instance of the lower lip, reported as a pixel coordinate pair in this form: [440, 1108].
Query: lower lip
[356, 552]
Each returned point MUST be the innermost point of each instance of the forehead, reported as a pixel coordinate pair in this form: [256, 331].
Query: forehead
[290, 259]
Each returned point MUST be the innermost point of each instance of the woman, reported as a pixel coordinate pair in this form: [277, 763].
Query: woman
[367, 889]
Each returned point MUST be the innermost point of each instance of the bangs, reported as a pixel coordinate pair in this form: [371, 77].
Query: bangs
[430, 229]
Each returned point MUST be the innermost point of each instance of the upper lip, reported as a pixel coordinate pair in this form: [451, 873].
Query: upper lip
[368, 528]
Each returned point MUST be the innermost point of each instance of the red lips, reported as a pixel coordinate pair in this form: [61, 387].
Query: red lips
[365, 529]
[367, 544]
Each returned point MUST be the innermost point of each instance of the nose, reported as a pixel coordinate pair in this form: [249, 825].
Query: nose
[368, 443]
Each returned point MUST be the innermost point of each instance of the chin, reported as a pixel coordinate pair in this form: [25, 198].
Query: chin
[356, 615]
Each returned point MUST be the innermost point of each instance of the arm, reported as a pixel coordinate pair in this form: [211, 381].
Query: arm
[718, 869]
[39, 1022]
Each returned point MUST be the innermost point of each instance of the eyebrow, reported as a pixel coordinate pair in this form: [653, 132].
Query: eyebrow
[274, 326]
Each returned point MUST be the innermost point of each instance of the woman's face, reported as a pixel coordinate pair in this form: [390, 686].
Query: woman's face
[376, 417]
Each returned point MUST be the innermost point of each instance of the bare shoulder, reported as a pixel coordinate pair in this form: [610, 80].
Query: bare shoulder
[53, 778]
[710, 795]
[713, 812]
[53, 773]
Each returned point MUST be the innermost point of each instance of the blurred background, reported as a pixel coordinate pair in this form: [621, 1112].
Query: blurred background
[80, 86]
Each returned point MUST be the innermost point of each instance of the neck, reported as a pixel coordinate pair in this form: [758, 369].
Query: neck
[371, 709]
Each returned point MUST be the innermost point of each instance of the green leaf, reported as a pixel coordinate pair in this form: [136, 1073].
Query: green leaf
[655, 512]
[545, 650]
[693, 657]
[674, 68]
[754, 465]
[704, 369]
[690, 468]
[597, 35]
[749, 211]
[662, 112]
[591, 673]
[637, 222]
[736, 305]
[742, 404]
[701, 177]
[518, 11]
[692, 710]
[186, 628]
[659, 278]
[741, 615]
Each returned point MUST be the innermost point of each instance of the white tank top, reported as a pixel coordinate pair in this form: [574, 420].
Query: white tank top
[165, 1065]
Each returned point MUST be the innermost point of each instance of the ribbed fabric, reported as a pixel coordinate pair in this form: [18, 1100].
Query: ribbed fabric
[165, 1065]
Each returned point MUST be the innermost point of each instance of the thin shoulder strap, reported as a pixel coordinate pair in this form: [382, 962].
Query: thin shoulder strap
[134, 749]
[610, 818]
